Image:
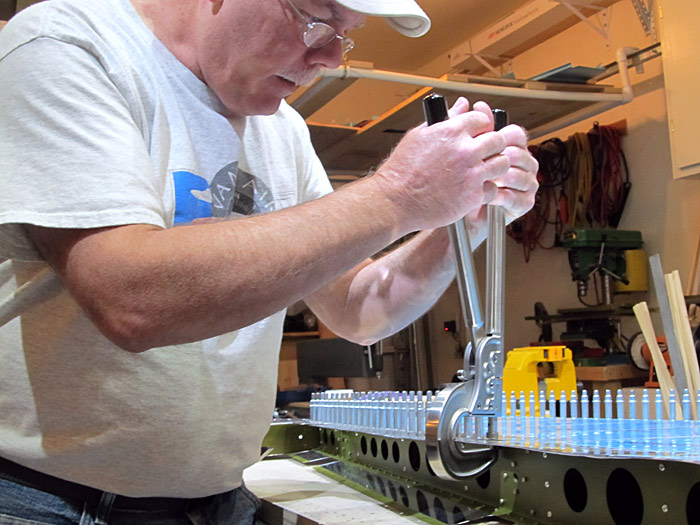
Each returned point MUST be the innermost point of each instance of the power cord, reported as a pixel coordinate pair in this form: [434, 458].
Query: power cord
[584, 182]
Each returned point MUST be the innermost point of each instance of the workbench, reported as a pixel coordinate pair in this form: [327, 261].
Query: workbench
[610, 377]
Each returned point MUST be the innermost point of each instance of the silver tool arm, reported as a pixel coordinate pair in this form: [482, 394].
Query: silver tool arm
[468, 288]
[480, 393]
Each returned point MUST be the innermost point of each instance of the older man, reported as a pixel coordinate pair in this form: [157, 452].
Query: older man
[139, 359]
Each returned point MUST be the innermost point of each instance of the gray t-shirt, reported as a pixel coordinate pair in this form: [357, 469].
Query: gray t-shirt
[101, 125]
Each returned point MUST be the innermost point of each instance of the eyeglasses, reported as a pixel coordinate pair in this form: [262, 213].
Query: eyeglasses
[319, 34]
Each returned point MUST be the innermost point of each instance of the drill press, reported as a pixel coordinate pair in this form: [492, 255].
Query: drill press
[598, 255]
[602, 252]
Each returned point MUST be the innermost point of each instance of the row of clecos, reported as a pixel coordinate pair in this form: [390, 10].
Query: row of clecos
[620, 424]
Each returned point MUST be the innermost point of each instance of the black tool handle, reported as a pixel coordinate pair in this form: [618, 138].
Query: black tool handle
[435, 108]
[500, 119]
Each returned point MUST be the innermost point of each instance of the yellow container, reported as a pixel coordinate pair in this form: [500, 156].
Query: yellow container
[637, 273]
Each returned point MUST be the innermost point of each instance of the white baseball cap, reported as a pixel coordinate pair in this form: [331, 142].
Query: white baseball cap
[405, 16]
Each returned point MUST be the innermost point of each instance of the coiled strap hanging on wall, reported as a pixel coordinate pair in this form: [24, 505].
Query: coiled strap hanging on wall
[584, 182]
[580, 182]
[610, 187]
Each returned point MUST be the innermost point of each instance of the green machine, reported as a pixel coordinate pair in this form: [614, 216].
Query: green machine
[604, 260]
[600, 252]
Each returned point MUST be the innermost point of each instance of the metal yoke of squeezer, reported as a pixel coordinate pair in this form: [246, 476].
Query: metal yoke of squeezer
[479, 393]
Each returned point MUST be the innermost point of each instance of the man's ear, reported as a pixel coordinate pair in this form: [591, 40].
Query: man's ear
[216, 6]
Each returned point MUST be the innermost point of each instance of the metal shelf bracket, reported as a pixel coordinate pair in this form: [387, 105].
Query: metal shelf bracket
[603, 26]
[645, 13]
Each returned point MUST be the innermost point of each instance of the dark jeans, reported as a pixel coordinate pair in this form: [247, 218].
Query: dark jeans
[21, 505]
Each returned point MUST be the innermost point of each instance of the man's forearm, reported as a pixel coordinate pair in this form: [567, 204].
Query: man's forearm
[385, 295]
[145, 287]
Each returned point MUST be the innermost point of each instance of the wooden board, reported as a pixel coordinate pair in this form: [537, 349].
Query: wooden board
[323, 136]
[609, 373]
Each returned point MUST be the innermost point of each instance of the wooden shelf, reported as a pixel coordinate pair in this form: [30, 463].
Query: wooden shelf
[362, 148]
[300, 335]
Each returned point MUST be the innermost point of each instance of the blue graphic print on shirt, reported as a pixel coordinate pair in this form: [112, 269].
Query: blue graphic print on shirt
[232, 191]
[188, 206]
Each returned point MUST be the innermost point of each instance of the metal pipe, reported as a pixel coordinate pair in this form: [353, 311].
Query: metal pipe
[468, 87]
[495, 285]
[495, 256]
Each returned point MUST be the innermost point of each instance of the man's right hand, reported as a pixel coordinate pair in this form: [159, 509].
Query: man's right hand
[441, 173]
